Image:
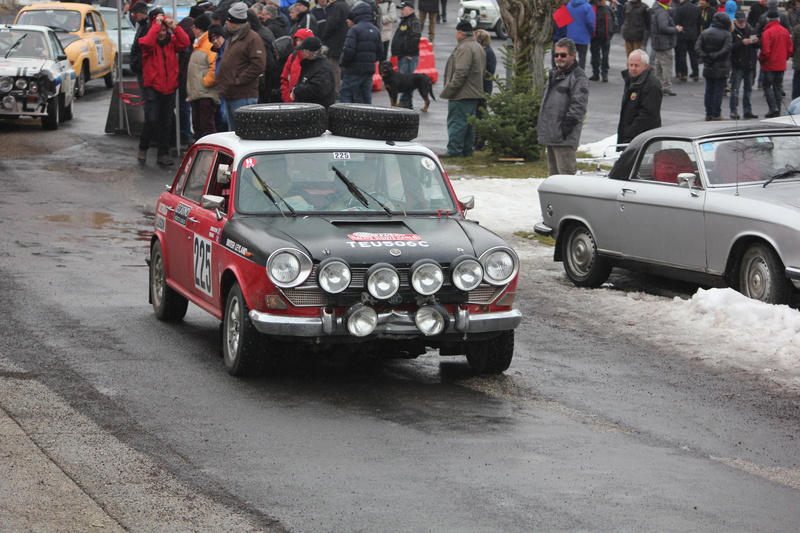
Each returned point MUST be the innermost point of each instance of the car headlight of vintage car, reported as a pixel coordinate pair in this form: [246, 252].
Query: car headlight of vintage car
[21, 83]
[466, 273]
[6, 84]
[333, 275]
[383, 281]
[361, 320]
[500, 265]
[33, 87]
[426, 277]
[288, 267]
[431, 319]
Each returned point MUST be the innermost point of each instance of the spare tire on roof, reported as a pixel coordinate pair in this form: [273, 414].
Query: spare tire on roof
[364, 121]
[268, 122]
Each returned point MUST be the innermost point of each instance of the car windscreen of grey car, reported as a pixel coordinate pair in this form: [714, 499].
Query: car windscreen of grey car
[750, 158]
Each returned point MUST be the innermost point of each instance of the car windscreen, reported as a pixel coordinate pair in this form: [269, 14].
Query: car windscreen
[755, 158]
[54, 18]
[365, 182]
[23, 43]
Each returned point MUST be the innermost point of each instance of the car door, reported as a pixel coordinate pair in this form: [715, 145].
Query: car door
[659, 220]
[103, 43]
[64, 68]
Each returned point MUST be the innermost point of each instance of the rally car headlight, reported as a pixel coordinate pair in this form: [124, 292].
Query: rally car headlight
[500, 265]
[333, 275]
[6, 84]
[383, 281]
[288, 267]
[361, 320]
[466, 273]
[431, 319]
[426, 276]
[33, 87]
[21, 83]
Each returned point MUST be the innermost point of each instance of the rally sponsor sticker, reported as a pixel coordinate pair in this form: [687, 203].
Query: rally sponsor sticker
[182, 213]
[366, 236]
[161, 223]
[250, 162]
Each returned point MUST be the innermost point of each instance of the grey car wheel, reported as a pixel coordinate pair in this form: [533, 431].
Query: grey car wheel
[584, 267]
[761, 275]
[240, 348]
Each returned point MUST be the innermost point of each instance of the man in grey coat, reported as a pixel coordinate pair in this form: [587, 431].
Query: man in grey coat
[663, 37]
[463, 87]
[564, 102]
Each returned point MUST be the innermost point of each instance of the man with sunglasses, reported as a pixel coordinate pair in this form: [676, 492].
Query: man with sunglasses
[564, 102]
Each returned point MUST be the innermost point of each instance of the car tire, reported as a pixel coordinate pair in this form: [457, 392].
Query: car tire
[50, 122]
[500, 29]
[240, 349]
[168, 305]
[364, 121]
[492, 356]
[80, 81]
[761, 275]
[266, 122]
[111, 77]
[583, 265]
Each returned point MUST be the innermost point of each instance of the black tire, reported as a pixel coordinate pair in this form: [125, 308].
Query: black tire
[240, 349]
[81, 80]
[50, 122]
[111, 77]
[168, 305]
[761, 275]
[491, 356]
[280, 121]
[500, 30]
[584, 267]
[364, 121]
[66, 111]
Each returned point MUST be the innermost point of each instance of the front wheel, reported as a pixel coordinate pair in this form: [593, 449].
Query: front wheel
[500, 30]
[491, 356]
[761, 275]
[50, 122]
[583, 265]
[239, 337]
[167, 303]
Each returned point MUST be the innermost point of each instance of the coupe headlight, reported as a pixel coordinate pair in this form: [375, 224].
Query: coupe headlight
[383, 281]
[500, 265]
[6, 84]
[466, 273]
[288, 267]
[33, 87]
[361, 320]
[431, 319]
[21, 83]
[426, 277]
[333, 275]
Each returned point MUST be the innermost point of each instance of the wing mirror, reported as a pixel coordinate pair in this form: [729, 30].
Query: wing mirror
[224, 174]
[687, 179]
[467, 203]
[210, 201]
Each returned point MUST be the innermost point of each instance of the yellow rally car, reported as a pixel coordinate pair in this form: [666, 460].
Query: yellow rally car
[82, 32]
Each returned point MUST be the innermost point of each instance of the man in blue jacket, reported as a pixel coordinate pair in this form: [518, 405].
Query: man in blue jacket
[363, 47]
[581, 29]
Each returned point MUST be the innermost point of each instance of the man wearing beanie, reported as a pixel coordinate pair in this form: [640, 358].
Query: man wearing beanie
[776, 49]
[244, 60]
[201, 80]
[463, 87]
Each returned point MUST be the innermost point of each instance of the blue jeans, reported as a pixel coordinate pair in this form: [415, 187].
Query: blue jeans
[407, 65]
[737, 77]
[460, 134]
[356, 88]
[233, 105]
[713, 96]
[773, 89]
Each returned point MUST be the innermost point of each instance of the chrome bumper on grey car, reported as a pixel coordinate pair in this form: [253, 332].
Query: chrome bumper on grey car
[391, 322]
[543, 230]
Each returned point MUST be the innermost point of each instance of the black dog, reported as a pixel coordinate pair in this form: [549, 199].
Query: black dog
[396, 83]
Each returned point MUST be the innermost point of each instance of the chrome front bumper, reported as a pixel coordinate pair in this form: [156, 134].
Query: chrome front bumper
[390, 323]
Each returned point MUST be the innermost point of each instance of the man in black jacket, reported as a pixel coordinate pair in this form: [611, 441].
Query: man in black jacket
[405, 45]
[316, 83]
[334, 35]
[744, 54]
[714, 50]
[641, 101]
[362, 49]
[688, 16]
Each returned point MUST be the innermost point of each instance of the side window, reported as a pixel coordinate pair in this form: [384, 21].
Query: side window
[196, 183]
[88, 23]
[219, 182]
[664, 160]
[57, 48]
[98, 22]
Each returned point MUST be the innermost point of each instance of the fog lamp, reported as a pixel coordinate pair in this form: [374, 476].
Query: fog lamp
[383, 281]
[361, 320]
[431, 319]
[9, 102]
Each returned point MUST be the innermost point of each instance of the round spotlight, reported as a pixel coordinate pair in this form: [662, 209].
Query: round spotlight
[383, 281]
[426, 277]
[33, 87]
[333, 275]
[6, 84]
[21, 83]
[500, 265]
[361, 320]
[431, 319]
[8, 102]
[466, 273]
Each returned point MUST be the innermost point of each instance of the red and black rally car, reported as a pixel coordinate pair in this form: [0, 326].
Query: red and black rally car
[286, 232]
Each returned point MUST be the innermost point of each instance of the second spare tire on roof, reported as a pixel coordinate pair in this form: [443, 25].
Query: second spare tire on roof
[364, 121]
[268, 122]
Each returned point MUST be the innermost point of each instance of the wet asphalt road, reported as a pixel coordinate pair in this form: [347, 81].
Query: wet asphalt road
[596, 427]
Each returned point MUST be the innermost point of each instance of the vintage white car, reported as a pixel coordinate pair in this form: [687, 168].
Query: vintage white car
[36, 78]
[484, 15]
[716, 204]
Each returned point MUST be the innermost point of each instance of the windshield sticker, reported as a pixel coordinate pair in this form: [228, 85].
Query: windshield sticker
[366, 236]
[341, 155]
[250, 162]
[707, 147]
[763, 139]
[182, 213]
[428, 163]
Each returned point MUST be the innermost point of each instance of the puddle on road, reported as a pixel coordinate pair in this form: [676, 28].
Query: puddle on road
[135, 235]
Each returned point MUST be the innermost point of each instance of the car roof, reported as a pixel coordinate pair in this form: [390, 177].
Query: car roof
[324, 142]
[66, 6]
[26, 27]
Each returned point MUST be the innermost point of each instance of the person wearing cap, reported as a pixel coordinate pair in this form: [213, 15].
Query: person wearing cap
[201, 80]
[303, 17]
[334, 35]
[776, 49]
[244, 60]
[744, 54]
[291, 69]
[463, 88]
[362, 49]
[783, 18]
[714, 51]
[317, 83]
[405, 45]
[160, 68]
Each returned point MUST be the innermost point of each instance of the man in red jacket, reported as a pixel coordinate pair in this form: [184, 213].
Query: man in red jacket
[160, 47]
[776, 49]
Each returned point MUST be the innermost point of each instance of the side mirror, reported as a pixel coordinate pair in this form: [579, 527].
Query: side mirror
[210, 201]
[224, 174]
[467, 203]
[61, 57]
[687, 179]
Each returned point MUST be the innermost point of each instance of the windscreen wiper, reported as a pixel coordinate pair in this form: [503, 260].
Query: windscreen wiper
[790, 171]
[269, 191]
[15, 45]
[357, 191]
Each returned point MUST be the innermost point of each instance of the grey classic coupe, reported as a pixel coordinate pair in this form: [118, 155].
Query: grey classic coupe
[713, 203]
